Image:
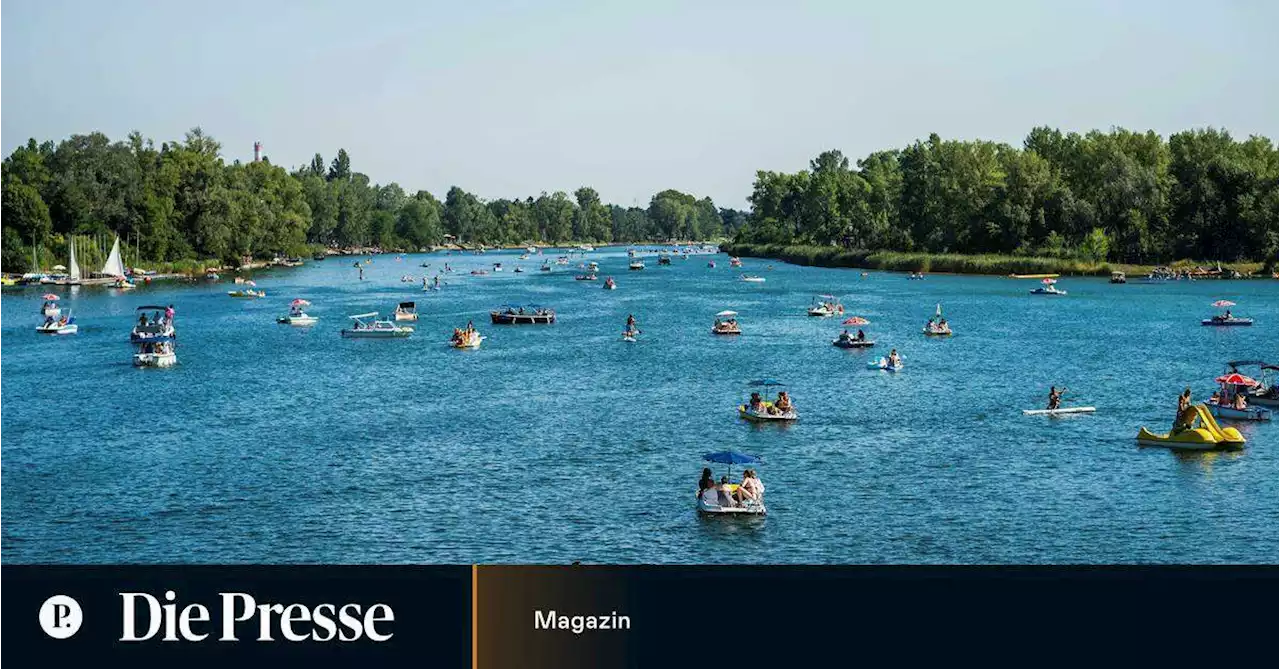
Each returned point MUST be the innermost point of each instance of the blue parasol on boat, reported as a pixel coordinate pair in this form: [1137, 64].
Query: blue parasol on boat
[731, 458]
[767, 383]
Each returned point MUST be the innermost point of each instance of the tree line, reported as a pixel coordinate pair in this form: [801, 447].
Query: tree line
[1118, 195]
[182, 201]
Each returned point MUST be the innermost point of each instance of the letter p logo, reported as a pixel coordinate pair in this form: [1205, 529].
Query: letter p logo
[60, 616]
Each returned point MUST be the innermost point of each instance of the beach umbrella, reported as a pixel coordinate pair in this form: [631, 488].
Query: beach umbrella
[726, 313]
[856, 320]
[299, 303]
[1224, 303]
[767, 383]
[1236, 379]
[1048, 282]
[731, 458]
[60, 267]
[50, 296]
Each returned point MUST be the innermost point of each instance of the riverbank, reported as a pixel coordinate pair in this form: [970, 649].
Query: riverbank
[956, 263]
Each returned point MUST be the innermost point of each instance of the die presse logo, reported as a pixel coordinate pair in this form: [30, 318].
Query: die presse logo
[236, 616]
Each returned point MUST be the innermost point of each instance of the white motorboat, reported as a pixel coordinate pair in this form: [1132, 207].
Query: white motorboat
[825, 306]
[298, 317]
[636, 265]
[151, 329]
[1048, 288]
[406, 311]
[158, 352]
[66, 325]
[367, 326]
[749, 278]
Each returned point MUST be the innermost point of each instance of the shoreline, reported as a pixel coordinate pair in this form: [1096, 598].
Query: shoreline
[968, 264]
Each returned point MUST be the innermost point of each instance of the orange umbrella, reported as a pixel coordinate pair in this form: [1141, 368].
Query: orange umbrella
[856, 320]
[50, 296]
[1223, 303]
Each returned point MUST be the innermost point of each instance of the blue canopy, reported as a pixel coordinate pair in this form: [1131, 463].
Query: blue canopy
[766, 382]
[730, 458]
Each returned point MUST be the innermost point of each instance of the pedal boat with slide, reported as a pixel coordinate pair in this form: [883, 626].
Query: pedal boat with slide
[1201, 434]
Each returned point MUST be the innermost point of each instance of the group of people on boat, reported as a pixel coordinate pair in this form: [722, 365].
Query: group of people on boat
[727, 324]
[726, 494]
[157, 319]
[50, 321]
[938, 325]
[464, 335]
[1236, 400]
[778, 407]
[846, 336]
[157, 348]
[521, 312]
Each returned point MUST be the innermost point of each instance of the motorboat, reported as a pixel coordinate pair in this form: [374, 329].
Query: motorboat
[726, 323]
[722, 499]
[847, 340]
[64, 325]
[1227, 321]
[1231, 401]
[825, 306]
[158, 352]
[585, 277]
[1201, 434]
[1118, 277]
[297, 316]
[635, 265]
[545, 267]
[522, 315]
[610, 284]
[406, 311]
[497, 267]
[152, 329]
[466, 339]
[735, 262]
[368, 326]
[1048, 288]
[211, 275]
[1264, 394]
[247, 293]
[749, 278]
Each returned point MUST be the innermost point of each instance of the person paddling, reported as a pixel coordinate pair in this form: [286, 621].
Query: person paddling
[1055, 397]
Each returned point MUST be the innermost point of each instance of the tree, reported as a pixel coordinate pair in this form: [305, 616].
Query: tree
[340, 169]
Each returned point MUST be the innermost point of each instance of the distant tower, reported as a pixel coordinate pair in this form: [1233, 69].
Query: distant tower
[257, 152]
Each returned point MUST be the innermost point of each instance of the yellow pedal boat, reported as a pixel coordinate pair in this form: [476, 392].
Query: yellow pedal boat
[1204, 434]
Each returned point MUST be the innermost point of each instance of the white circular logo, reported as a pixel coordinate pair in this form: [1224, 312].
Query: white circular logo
[60, 616]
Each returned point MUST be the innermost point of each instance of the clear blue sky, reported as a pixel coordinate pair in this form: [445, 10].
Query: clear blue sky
[508, 99]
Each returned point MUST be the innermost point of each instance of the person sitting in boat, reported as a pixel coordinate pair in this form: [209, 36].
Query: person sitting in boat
[751, 487]
[862, 336]
[724, 492]
[756, 403]
[48, 320]
[1240, 402]
[942, 325]
[894, 360]
[707, 481]
[1055, 398]
[1185, 414]
[783, 403]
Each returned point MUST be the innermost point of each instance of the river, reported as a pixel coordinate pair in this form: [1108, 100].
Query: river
[550, 444]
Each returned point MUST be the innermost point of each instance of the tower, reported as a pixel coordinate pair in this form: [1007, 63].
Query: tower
[257, 152]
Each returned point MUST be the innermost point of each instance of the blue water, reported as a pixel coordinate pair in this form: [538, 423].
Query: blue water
[552, 444]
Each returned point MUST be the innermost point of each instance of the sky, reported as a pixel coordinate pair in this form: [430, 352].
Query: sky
[510, 99]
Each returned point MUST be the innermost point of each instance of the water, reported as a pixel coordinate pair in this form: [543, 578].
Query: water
[552, 444]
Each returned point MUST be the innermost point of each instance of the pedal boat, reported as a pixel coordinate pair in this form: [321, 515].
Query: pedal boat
[1204, 435]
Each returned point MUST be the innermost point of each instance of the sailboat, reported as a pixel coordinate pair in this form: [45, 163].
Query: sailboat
[937, 326]
[73, 279]
[115, 267]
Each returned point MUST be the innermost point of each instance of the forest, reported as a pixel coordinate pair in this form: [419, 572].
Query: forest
[181, 201]
[1121, 196]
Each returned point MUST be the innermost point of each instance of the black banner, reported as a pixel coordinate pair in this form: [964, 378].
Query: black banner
[587, 616]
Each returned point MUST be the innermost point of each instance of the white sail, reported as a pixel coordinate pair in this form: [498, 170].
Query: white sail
[75, 266]
[114, 266]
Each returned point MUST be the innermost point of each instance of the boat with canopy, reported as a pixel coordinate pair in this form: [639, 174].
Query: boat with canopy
[406, 311]
[368, 326]
[1264, 394]
[848, 339]
[723, 499]
[759, 410]
[1048, 288]
[59, 325]
[154, 328]
[522, 315]
[1231, 401]
[1226, 319]
[297, 315]
[726, 323]
[825, 306]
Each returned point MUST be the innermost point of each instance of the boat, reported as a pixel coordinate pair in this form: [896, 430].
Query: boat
[883, 363]
[319, 256]
[726, 323]
[211, 275]
[711, 501]
[297, 316]
[1203, 434]
[497, 267]
[157, 352]
[122, 283]
[50, 307]
[73, 275]
[635, 265]
[1225, 319]
[156, 328]
[247, 293]
[367, 326]
[609, 283]
[466, 339]
[711, 264]
[749, 278]
[545, 267]
[1264, 394]
[664, 260]
[531, 249]
[66, 325]
[1034, 276]
[767, 413]
[630, 335]
[8, 281]
[825, 306]
[1048, 288]
[585, 277]
[937, 326]
[847, 340]
[479, 272]
[114, 267]
[915, 276]
[1118, 277]
[522, 315]
[1231, 401]
[518, 270]
[735, 262]
[406, 311]
[1057, 412]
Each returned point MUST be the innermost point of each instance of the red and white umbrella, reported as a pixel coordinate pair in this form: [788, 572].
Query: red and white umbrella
[299, 303]
[856, 320]
[50, 296]
[1236, 379]
[1048, 282]
[1224, 303]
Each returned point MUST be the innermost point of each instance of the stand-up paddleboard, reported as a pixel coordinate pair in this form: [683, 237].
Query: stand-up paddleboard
[1056, 412]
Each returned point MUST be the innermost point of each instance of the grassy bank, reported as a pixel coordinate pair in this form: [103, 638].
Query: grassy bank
[953, 263]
